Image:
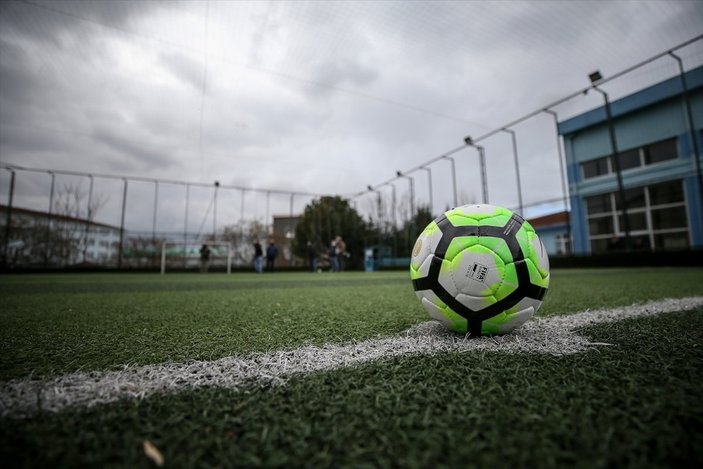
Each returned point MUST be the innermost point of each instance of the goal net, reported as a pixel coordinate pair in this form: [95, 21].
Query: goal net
[182, 255]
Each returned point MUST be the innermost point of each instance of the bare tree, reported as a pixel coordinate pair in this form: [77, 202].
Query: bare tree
[242, 236]
[68, 228]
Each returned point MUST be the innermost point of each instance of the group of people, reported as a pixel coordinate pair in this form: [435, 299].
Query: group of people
[271, 254]
[336, 253]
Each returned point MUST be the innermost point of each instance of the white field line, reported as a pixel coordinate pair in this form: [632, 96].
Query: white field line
[554, 335]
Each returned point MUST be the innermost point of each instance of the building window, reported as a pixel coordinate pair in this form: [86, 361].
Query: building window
[660, 151]
[657, 217]
[595, 168]
[629, 159]
[635, 158]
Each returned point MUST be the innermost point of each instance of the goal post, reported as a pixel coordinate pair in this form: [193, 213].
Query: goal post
[189, 253]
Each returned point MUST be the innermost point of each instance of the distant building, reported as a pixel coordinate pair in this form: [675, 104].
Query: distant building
[660, 176]
[283, 235]
[37, 238]
[553, 230]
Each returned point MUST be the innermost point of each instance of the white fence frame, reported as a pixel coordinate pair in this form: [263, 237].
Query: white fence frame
[181, 243]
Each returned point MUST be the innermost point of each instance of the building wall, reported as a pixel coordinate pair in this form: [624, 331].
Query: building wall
[648, 116]
[101, 241]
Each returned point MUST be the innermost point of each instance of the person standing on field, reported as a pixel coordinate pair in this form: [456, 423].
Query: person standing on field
[271, 254]
[340, 248]
[332, 254]
[204, 258]
[312, 257]
[258, 257]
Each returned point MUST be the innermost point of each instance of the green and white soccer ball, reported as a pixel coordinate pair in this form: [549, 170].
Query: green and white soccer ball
[480, 270]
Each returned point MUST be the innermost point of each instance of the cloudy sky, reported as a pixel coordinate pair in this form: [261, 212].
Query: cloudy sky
[319, 97]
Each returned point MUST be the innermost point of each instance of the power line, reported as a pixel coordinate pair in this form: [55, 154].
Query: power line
[275, 73]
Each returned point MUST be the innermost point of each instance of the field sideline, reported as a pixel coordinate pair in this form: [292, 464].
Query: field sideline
[630, 396]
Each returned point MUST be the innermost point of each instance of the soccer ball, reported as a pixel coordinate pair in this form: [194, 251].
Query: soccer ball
[480, 270]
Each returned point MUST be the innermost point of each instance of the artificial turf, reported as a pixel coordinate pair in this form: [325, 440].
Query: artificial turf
[635, 403]
[54, 324]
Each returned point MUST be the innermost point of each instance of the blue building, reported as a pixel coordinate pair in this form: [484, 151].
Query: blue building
[660, 174]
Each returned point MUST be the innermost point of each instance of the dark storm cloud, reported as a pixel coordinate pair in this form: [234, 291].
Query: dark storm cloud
[16, 78]
[133, 150]
[46, 21]
[300, 93]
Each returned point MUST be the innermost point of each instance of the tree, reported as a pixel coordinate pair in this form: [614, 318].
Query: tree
[323, 220]
[411, 229]
[242, 236]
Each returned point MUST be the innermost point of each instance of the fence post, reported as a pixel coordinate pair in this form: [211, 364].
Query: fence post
[124, 206]
[8, 219]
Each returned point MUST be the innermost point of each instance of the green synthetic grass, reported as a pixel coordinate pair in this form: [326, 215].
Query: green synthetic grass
[53, 324]
[633, 404]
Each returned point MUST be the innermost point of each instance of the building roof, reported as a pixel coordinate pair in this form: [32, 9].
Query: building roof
[661, 91]
[553, 219]
[38, 213]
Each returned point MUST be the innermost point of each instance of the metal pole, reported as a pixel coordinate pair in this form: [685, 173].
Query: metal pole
[241, 210]
[429, 180]
[517, 169]
[378, 201]
[241, 226]
[268, 204]
[89, 216]
[8, 218]
[482, 164]
[214, 212]
[124, 206]
[49, 220]
[564, 190]
[616, 160]
[292, 195]
[153, 224]
[412, 192]
[484, 177]
[185, 229]
[689, 119]
[395, 221]
[393, 202]
[451, 160]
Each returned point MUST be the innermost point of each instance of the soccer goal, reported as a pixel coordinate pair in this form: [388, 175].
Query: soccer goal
[187, 255]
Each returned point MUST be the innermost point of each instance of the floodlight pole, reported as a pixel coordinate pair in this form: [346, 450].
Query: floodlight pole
[517, 169]
[429, 181]
[412, 192]
[392, 186]
[689, 122]
[292, 196]
[595, 77]
[378, 200]
[482, 163]
[395, 221]
[564, 190]
[451, 160]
